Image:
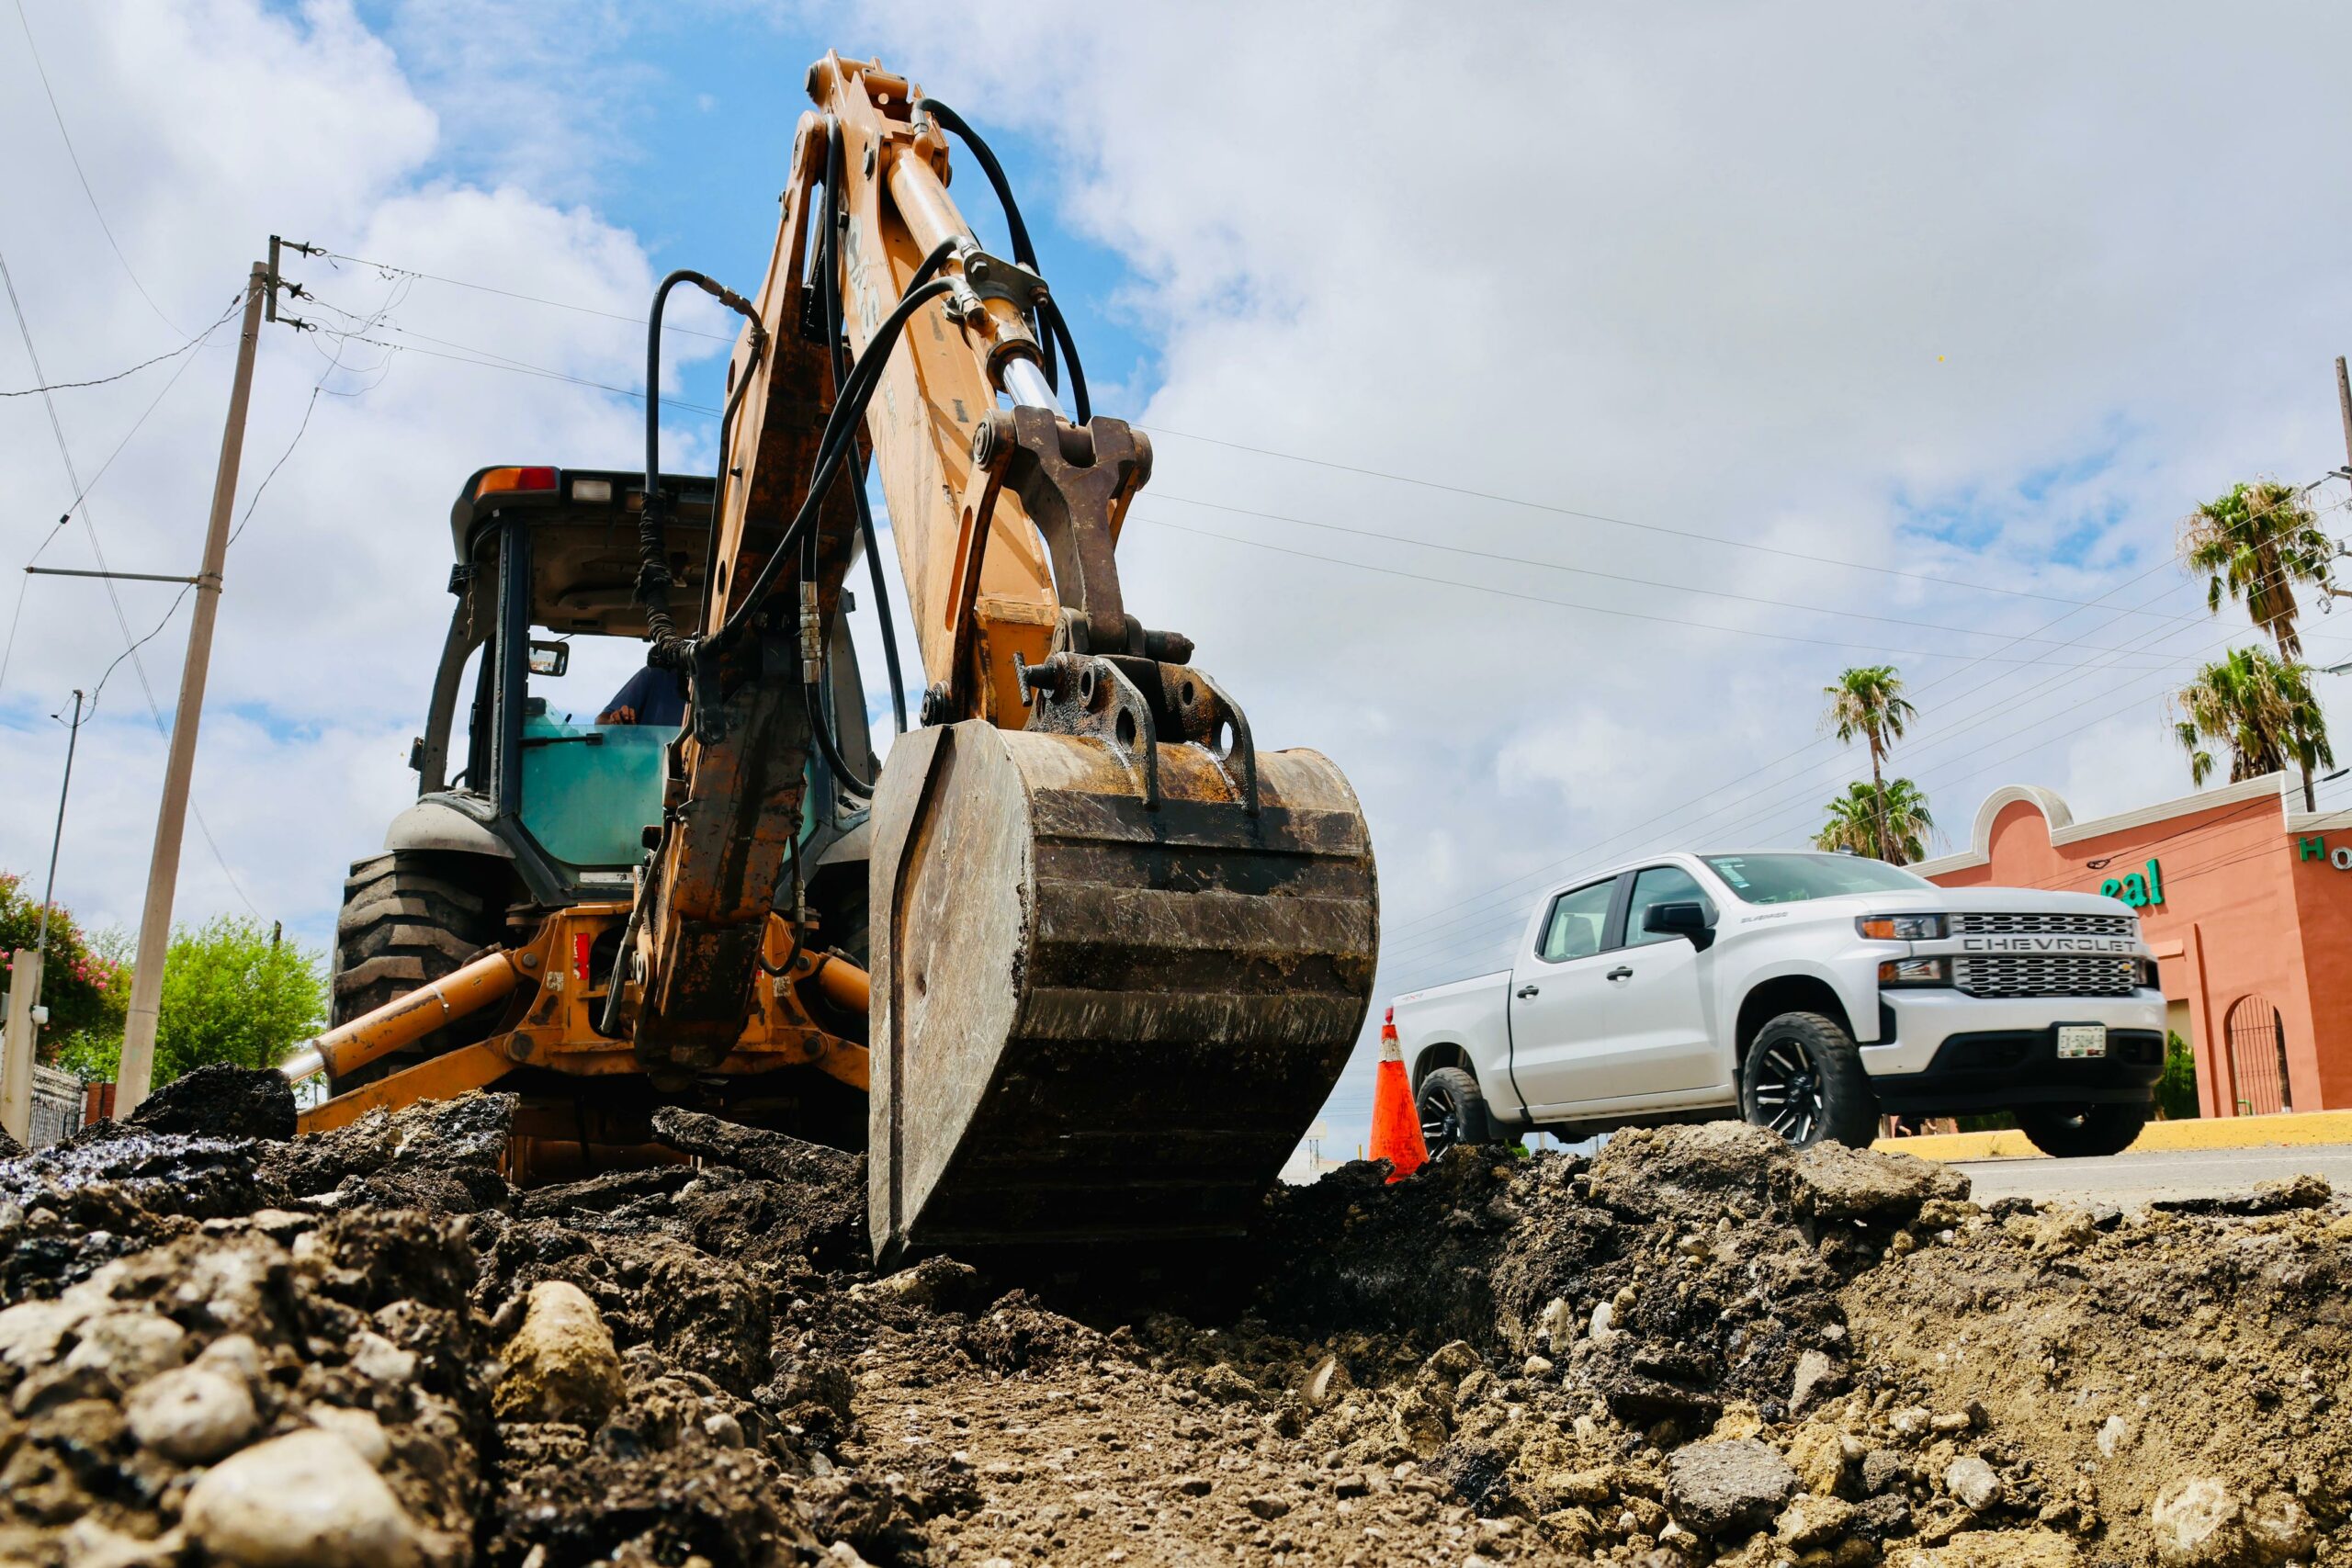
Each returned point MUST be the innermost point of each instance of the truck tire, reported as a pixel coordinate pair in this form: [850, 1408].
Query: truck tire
[1453, 1111]
[2082, 1132]
[1804, 1079]
[408, 919]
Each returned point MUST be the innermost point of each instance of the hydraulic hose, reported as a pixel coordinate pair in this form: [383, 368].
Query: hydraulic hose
[1049, 314]
[829, 293]
[840, 429]
[821, 724]
[653, 578]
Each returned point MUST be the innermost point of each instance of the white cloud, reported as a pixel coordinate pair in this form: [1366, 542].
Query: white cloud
[225, 123]
[1789, 277]
[1990, 300]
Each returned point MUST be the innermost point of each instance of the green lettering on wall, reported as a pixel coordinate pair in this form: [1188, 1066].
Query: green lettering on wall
[2312, 848]
[2139, 892]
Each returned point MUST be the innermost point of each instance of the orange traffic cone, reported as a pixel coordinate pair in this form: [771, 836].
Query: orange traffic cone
[1396, 1124]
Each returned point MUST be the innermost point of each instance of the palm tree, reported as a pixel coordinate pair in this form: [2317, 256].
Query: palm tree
[2256, 543]
[1867, 704]
[2261, 708]
[1889, 818]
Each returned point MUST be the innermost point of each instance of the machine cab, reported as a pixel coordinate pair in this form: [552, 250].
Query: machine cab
[545, 638]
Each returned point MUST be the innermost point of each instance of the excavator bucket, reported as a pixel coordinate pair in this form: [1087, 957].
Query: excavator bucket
[1111, 988]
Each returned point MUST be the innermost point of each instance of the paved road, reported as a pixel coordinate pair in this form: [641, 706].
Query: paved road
[2130, 1179]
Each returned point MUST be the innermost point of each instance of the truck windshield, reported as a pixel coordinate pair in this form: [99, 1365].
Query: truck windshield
[1793, 878]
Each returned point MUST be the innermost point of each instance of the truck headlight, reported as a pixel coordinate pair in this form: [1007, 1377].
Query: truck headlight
[1901, 928]
[1914, 972]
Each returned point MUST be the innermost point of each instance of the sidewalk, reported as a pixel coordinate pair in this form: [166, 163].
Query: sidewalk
[2214, 1133]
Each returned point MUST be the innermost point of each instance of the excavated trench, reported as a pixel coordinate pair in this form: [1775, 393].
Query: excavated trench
[220, 1345]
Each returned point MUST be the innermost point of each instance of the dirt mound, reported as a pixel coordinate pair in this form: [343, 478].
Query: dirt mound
[1700, 1348]
[220, 1101]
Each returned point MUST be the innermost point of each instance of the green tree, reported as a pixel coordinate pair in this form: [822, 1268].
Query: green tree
[83, 986]
[232, 992]
[1888, 820]
[2255, 544]
[2258, 706]
[1867, 704]
[2176, 1090]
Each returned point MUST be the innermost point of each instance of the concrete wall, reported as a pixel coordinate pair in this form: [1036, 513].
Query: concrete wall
[2242, 914]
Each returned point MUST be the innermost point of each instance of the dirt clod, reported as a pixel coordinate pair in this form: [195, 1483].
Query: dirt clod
[1700, 1348]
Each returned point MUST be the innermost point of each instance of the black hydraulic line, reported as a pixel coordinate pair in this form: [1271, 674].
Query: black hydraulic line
[841, 428]
[718, 491]
[829, 282]
[821, 724]
[1049, 314]
[653, 578]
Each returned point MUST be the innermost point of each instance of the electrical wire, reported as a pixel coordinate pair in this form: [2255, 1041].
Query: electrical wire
[1302, 458]
[133, 370]
[91, 196]
[1573, 604]
[82, 491]
[388, 268]
[1911, 622]
[1425, 949]
[1541, 873]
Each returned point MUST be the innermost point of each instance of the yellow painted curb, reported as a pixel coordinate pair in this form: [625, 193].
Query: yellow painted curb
[2218, 1133]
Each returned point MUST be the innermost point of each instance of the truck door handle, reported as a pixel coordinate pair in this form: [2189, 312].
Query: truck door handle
[1528, 990]
[1620, 973]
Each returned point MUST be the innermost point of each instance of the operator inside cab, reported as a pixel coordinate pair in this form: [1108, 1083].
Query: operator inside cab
[650, 697]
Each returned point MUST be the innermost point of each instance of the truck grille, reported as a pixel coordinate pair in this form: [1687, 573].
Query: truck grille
[2045, 975]
[1974, 924]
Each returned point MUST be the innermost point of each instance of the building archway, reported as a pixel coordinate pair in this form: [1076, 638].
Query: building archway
[2257, 1065]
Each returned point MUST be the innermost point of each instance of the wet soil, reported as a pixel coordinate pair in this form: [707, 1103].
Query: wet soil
[1701, 1346]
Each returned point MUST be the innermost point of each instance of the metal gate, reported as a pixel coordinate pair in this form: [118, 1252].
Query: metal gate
[2258, 1038]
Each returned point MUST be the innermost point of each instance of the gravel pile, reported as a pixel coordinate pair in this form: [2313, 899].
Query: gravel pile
[221, 1346]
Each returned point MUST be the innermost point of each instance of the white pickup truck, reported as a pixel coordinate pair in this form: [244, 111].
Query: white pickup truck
[1808, 993]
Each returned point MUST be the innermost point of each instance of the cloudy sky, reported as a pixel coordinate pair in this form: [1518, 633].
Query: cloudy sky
[1546, 404]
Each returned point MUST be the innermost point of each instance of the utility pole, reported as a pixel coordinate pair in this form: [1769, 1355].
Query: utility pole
[20, 1030]
[49, 891]
[2344, 402]
[171, 818]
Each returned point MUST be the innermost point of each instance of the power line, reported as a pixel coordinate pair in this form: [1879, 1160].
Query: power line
[388, 268]
[1911, 622]
[254, 499]
[103, 380]
[65, 519]
[91, 196]
[1429, 947]
[82, 491]
[1573, 604]
[1603, 517]
[1541, 873]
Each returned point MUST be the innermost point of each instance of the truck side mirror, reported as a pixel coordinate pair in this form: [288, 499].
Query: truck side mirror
[1681, 919]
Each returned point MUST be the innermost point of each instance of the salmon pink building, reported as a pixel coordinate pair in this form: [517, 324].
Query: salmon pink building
[2248, 905]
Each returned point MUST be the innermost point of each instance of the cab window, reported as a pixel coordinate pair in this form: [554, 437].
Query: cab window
[1573, 928]
[1659, 885]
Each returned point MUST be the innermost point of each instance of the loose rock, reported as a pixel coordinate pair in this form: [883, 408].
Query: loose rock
[300, 1501]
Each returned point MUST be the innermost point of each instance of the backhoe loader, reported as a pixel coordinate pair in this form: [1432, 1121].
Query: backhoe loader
[1094, 957]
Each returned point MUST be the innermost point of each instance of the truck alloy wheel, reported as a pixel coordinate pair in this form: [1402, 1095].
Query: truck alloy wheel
[1453, 1110]
[1804, 1079]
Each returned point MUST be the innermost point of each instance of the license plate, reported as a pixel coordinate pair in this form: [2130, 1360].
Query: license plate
[2079, 1040]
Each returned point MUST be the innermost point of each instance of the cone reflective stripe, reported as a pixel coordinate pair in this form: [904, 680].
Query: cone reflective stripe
[1396, 1124]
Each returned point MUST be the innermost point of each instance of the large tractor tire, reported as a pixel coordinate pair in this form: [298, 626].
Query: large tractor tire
[409, 917]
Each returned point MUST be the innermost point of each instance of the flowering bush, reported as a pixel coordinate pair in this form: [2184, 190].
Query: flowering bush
[85, 986]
